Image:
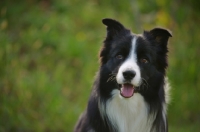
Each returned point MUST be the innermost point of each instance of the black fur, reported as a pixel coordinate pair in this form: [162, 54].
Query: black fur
[151, 45]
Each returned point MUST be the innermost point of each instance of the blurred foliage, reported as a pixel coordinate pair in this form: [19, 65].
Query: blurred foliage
[49, 58]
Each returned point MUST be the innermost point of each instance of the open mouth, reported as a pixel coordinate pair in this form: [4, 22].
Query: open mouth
[127, 90]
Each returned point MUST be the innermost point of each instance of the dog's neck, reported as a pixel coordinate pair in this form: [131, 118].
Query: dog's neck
[128, 115]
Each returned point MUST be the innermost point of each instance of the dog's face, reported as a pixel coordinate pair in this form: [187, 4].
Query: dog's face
[134, 61]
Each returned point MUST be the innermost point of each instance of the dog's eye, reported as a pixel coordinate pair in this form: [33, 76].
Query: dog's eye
[119, 57]
[143, 60]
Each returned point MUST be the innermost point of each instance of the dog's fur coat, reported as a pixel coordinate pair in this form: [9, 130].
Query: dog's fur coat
[130, 93]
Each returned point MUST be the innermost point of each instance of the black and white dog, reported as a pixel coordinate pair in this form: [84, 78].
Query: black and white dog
[130, 93]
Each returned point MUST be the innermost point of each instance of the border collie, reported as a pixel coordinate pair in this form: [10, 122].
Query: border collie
[130, 93]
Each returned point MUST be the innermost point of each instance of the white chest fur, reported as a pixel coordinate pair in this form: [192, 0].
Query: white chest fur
[129, 114]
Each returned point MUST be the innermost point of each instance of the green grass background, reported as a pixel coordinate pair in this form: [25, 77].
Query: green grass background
[49, 57]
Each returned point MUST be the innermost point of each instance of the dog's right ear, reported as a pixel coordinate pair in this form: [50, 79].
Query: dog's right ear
[113, 27]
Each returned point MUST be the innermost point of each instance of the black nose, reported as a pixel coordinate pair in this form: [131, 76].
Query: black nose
[128, 75]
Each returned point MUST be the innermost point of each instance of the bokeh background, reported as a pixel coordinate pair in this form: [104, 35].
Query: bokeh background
[49, 57]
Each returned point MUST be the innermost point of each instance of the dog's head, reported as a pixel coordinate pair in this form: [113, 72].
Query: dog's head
[134, 61]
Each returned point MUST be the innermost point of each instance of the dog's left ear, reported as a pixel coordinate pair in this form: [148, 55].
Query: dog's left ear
[159, 38]
[159, 35]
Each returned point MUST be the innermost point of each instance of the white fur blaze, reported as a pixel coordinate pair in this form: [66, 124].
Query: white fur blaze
[130, 64]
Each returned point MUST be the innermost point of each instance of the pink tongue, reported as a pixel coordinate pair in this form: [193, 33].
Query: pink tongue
[127, 90]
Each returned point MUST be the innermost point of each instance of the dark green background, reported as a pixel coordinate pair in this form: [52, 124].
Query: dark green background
[49, 57]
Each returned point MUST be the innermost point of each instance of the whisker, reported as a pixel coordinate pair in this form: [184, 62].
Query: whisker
[145, 83]
[112, 77]
[113, 74]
